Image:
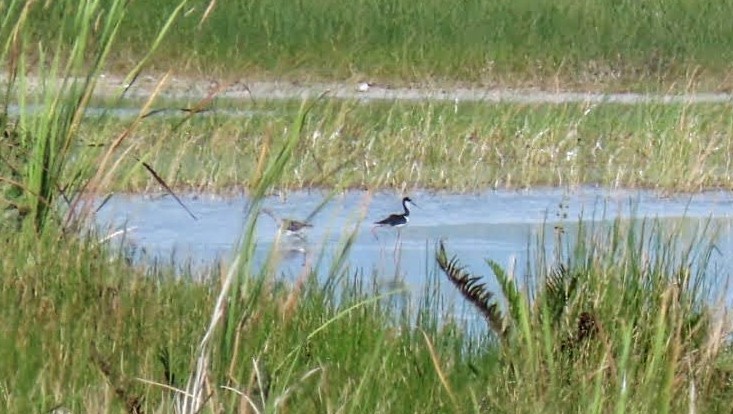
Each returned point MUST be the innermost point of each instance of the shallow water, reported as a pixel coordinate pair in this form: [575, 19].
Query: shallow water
[278, 91]
[500, 225]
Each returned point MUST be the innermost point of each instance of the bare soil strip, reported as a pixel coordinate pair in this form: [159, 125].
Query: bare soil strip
[186, 88]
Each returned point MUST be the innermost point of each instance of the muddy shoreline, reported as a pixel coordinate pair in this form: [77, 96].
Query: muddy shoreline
[180, 88]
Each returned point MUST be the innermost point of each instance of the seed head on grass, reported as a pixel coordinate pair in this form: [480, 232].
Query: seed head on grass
[475, 292]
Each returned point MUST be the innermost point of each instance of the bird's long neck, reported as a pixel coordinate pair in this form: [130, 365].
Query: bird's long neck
[407, 210]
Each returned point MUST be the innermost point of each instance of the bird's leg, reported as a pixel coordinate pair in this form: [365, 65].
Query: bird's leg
[374, 232]
[397, 242]
[396, 257]
[397, 253]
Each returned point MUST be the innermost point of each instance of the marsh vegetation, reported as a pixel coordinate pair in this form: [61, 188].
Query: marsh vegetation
[435, 145]
[672, 44]
[621, 320]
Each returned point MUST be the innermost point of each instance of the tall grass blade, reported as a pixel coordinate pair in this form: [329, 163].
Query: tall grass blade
[167, 188]
[153, 46]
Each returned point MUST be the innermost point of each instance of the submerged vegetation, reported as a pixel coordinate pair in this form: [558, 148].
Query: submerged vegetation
[623, 320]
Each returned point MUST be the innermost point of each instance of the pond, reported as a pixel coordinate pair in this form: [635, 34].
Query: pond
[505, 226]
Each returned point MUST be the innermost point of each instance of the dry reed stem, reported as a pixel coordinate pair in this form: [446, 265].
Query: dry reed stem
[195, 386]
[103, 175]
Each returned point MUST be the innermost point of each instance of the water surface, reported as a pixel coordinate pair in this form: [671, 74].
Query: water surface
[500, 225]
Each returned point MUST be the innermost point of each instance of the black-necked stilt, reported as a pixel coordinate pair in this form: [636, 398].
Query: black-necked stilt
[396, 220]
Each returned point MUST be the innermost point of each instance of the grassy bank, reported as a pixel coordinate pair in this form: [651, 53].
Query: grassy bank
[593, 44]
[624, 324]
[92, 334]
[462, 147]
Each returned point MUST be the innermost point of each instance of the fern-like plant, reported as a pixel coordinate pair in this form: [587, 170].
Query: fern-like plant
[475, 292]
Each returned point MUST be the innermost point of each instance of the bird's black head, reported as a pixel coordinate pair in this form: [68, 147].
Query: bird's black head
[407, 201]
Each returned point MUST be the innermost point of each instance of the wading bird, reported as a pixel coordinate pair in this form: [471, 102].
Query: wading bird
[396, 220]
[289, 226]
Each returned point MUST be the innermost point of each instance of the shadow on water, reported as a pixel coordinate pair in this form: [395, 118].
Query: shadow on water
[500, 225]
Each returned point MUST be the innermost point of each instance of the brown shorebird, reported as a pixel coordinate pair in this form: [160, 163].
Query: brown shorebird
[290, 226]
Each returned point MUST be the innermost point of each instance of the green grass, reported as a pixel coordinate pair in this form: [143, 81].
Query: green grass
[63, 301]
[596, 43]
[78, 327]
[86, 331]
[677, 147]
[618, 326]
[622, 324]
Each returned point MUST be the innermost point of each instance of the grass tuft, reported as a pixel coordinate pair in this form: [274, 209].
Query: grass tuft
[624, 322]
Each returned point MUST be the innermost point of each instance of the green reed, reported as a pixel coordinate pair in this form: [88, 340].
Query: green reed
[438, 145]
[590, 44]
